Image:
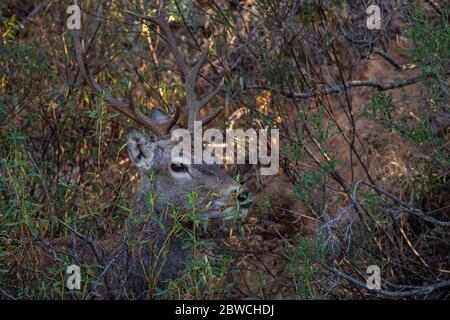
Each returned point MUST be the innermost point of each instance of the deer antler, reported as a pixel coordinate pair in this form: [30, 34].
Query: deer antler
[160, 129]
[190, 74]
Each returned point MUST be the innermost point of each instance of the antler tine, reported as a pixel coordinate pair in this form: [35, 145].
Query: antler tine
[189, 73]
[197, 105]
[210, 117]
[160, 129]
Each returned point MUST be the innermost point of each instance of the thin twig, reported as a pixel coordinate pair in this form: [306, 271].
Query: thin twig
[88, 240]
[6, 294]
[415, 292]
[380, 85]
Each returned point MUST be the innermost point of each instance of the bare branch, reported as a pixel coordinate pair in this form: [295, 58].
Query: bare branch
[381, 86]
[6, 295]
[86, 239]
[435, 6]
[404, 205]
[414, 292]
[392, 61]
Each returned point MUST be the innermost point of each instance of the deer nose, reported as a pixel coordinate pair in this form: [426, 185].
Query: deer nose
[245, 200]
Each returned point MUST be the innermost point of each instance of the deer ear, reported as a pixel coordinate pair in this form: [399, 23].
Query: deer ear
[141, 149]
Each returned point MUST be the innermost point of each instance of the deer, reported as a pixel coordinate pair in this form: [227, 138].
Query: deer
[147, 253]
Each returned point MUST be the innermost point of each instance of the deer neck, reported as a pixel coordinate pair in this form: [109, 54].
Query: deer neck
[147, 201]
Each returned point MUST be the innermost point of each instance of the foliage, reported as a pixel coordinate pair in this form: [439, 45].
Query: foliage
[368, 165]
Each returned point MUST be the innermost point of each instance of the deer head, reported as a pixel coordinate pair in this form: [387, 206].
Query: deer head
[172, 181]
[176, 183]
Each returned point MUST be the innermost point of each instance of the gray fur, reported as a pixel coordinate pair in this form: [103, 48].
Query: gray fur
[150, 254]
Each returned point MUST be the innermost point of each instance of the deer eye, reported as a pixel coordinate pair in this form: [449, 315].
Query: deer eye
[178, 167]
